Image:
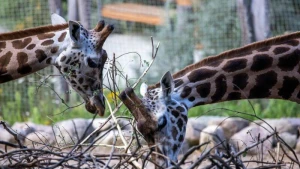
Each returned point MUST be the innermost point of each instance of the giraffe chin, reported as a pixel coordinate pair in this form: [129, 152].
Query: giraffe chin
[95, 105]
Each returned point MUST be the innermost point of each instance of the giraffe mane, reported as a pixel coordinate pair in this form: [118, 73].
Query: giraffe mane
[32, 31]
[231, 54]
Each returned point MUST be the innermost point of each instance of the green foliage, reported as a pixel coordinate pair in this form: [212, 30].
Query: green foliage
[219, 27]
[47, 110]
[29, 13]
[44, 111]
[230, 108]
[284, 22]
[262, 108]
[281, 108]
[176, 43]
[12, 110]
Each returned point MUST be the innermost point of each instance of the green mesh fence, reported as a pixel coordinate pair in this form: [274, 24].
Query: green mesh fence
[207, 27]
[17, 15]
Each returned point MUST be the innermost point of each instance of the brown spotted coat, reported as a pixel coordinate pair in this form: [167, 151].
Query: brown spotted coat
[267, 69]
[27, 51]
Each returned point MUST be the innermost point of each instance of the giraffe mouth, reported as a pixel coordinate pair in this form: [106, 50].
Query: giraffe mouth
[96, 104]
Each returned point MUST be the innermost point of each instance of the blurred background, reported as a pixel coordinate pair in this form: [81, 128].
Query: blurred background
[187, 30]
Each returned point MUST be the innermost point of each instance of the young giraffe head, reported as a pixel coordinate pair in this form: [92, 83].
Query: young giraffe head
[160, 119]
[82, 63]
[266, 69]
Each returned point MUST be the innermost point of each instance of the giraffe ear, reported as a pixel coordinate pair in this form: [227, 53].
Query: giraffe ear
[167, 85]
[74, 30]
[143, 89]
[56, 19]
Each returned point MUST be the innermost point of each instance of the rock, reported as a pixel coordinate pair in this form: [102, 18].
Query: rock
[281, 125]
[206, 120]
[195, 125]
[70, 131]
[124, 124]
[248, 136]
[297, 149]
[38, 139]
[25, 128]
[106, 140]
[293, 121]
[99, 121]
[214, 134]
[289, 139]
[113, 136]
[193, 129]
[5, 136]
[230, 125]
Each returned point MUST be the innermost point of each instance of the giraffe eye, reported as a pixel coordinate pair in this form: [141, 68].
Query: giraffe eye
[162, 122]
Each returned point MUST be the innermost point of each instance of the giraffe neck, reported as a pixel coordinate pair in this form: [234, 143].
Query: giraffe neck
[25, 52]
[264, 70]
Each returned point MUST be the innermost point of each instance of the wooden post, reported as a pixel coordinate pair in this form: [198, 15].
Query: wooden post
[261, 22]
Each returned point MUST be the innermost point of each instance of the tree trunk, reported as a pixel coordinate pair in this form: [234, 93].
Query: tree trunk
[254, 18]
[243, 11]
[72, 10]
[80, 10]
[261, 22]
[84, 7]
[60, 84]
[99, 7]
[55, 6]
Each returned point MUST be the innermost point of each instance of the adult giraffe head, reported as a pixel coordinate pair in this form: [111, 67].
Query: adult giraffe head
[82, 62]
[75, 51]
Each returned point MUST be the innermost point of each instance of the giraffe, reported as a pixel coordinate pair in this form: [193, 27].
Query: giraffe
[266, 69]
[75, 51]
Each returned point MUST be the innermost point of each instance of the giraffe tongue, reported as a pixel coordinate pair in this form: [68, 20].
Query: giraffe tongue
[96, 105]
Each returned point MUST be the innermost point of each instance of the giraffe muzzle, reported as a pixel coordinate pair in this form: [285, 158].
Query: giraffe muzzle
[146, 123]
[96, 104]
